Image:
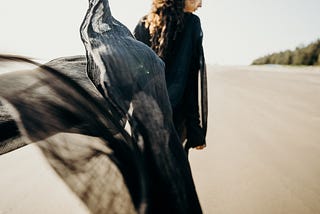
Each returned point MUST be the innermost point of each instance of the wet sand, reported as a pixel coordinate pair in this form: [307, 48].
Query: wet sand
[263, 153]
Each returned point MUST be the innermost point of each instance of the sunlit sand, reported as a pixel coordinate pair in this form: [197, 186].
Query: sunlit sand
[262, 156]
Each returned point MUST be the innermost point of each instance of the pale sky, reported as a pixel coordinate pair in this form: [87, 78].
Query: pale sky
[235, 32]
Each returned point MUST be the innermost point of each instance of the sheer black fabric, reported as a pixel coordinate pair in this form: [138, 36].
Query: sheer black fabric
[52, 110]
[130, 75]
[111, 137]
[185, 68]
[10, 138]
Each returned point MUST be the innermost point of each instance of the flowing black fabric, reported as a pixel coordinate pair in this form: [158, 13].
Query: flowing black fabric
[111, 137]
[185, 68]
[48, 106]
[10, 138]
[130, 75]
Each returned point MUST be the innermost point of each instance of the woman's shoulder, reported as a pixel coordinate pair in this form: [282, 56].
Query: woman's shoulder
[192, 21]
[192, 18]
[143, 19]
[141, 25]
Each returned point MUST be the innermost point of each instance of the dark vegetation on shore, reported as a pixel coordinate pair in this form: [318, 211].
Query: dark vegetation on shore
[302, 55]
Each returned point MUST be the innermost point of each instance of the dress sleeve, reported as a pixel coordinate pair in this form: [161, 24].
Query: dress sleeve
[198, 108]
[204, 92]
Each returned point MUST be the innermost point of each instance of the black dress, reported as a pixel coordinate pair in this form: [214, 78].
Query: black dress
[184, 66]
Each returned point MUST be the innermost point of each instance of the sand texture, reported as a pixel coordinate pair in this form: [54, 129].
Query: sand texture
[263, 153]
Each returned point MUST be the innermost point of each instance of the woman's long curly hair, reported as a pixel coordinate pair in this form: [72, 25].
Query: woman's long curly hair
[164, 21]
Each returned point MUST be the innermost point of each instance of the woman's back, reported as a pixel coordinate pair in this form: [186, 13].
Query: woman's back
[184, 61]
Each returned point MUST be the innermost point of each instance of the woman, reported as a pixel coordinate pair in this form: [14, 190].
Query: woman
[174, 33]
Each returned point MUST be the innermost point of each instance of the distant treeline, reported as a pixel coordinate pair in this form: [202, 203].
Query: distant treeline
[302, 55]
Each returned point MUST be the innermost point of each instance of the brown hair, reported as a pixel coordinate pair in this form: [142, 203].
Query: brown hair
[164, 21]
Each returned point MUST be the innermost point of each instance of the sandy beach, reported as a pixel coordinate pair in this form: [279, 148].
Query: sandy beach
[262, 156]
